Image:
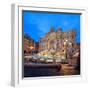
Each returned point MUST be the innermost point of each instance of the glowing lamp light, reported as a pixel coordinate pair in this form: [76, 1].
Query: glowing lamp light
[70, 43]
[64, 43]
[66, 40]
[31, 47]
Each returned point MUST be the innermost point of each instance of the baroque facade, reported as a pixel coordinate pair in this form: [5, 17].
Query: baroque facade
[58, 40]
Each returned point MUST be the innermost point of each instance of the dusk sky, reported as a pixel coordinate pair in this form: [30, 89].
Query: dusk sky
[37, 24]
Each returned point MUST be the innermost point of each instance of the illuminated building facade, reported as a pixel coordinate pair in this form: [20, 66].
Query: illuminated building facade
[29, 44]
[59, 41]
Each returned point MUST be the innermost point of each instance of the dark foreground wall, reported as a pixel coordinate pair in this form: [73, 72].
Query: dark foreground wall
[36, 70]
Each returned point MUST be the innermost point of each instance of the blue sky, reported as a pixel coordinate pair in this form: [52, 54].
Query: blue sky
[37, 24]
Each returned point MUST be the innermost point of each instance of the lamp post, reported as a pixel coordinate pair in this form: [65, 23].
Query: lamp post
[65, 47]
